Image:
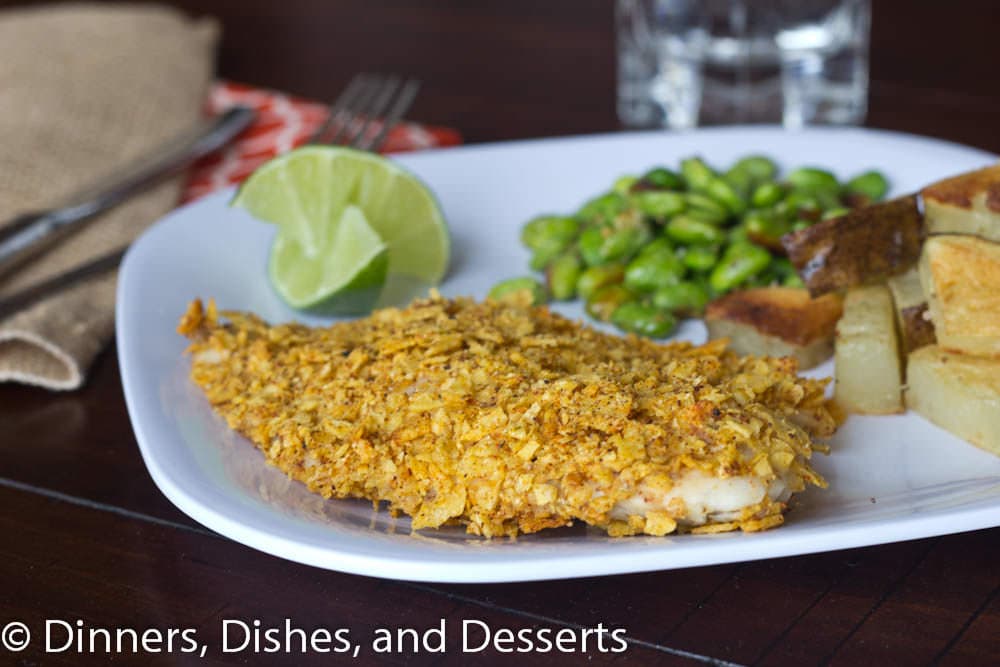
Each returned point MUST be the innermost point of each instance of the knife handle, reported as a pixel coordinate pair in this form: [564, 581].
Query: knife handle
[27, 235]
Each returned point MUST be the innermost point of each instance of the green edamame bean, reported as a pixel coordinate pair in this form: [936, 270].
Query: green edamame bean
[644, 319]
[834, 212]
[684, 299]
[604, 302]
[785, 272]
[602, 208]
[590, 243]
[544, 256]
[608, 242]
[758, 167]
[799, 202]
[623, 243]
[723, 193]
[656, 246]
[630, 217]
[782, 266]
[661, 179]
[596, 277]
[871, 184]
[650, 271]
[828, 199]
[624, 184]
[766, 229]
[507, 289]
[686, 229]
[738, 233]
[547, 231]
[705, 208]
[740, 181]
[562, 276]
[696, 173]
[705, 284]
[658, 204]
[618, 244]
[700, 257]
[813, 179]
[765, 278]
[740, 262]
[766, 194]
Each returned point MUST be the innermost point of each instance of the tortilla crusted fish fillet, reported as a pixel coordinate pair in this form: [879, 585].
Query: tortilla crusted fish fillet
[510, 419]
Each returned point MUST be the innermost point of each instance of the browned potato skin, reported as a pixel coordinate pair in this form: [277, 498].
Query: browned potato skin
[776, 321]
[863, 247]
[961, 190]
[868, 245]
[966, 204]
[915, 328]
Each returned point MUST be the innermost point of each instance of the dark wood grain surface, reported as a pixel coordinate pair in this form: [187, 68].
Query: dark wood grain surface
[86, 534]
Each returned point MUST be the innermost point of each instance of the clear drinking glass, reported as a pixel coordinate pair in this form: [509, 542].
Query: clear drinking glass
[683, 63]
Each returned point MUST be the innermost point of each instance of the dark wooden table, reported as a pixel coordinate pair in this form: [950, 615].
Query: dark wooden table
[86, 534]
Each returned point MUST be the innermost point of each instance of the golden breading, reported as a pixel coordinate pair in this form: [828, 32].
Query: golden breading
[508, 419]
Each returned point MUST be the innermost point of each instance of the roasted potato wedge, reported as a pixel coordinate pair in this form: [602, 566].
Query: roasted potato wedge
[863, 247]
[958, 392]
[912, 320]
[960, 276]
[871, 244]
[966, 204]
[868, 375]
[776, 322]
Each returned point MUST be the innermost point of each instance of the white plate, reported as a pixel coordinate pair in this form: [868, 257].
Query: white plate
[891, 478]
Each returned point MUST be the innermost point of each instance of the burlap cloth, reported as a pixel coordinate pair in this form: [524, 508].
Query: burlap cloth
[83, 89]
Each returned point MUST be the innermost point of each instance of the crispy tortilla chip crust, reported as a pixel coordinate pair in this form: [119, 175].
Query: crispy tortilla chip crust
[504, 418]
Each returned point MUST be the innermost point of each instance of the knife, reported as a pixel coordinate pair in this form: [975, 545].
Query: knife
[29, 234]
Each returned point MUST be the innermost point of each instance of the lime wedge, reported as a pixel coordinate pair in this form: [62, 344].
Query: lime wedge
[348, 223]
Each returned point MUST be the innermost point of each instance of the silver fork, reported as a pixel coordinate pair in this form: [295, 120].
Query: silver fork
[366, 111]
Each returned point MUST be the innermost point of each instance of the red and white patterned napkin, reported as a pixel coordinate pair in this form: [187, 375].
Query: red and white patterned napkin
[284, 122]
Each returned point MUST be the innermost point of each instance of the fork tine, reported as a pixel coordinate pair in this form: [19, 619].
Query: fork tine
[367, 94]
[379, 103]
[368, 99]
[343, 103]
[401, 106]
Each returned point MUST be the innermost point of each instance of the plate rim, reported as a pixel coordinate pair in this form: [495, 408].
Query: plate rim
[947, 521]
